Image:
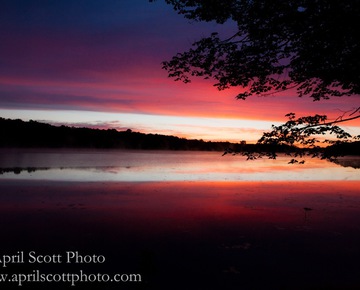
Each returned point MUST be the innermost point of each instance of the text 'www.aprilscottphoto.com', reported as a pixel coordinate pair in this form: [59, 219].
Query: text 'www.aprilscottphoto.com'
[72, 279]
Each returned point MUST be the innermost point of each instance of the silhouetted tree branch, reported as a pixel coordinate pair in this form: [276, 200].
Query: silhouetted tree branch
[306, 136]
[312, 47]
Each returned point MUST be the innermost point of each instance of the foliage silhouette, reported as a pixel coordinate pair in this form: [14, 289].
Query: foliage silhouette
[310, 47]
[308, 132]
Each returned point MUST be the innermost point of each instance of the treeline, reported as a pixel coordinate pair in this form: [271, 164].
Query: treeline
[32, 134]
[351, 148]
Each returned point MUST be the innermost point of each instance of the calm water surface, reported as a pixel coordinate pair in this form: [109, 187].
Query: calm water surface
[184, 220]
[117, 165]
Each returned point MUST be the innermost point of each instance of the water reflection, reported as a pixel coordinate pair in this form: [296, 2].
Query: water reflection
[115, 165]
[348, 162]
[238, 232]
[247, 225]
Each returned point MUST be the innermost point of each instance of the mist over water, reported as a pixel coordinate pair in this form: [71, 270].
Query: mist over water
[121, 165]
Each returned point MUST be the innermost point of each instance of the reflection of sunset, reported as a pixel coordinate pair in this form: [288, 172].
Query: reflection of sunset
[221, 227]
[228, 198]
[270, 202]
[141, 166]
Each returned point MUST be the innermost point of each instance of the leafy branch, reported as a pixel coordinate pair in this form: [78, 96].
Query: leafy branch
[305, 136]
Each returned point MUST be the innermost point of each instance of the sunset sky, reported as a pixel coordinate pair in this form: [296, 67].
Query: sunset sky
[98, 64]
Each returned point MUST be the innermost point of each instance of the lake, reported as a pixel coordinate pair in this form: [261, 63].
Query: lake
[120, 165]
[182, 220]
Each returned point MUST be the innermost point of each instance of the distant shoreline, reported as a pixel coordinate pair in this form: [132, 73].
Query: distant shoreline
[33, 134]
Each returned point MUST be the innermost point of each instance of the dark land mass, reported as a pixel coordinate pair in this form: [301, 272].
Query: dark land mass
[351, 148]
[33, 134]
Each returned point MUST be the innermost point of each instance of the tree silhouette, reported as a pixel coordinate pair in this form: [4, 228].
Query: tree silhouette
[309, 46]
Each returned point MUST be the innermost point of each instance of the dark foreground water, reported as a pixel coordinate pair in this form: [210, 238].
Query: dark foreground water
[261, 228]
